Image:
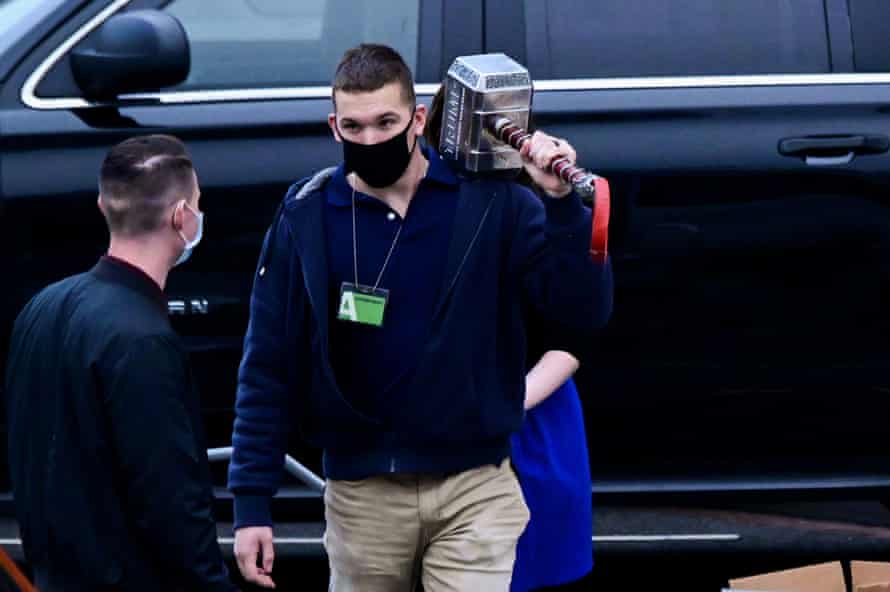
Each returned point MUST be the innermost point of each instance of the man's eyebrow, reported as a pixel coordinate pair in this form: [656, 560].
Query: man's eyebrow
[377, 118]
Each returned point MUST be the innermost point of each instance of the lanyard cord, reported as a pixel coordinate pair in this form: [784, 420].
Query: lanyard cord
[355, 247]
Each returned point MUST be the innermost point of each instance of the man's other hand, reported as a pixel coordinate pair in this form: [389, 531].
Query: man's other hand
[252, 543]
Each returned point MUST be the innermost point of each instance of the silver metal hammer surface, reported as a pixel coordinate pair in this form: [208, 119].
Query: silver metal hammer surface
[487, 102]
[486, 110]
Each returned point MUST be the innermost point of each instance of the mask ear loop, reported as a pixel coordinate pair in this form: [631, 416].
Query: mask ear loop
[337, 126]
[413, 113]
[184, 205]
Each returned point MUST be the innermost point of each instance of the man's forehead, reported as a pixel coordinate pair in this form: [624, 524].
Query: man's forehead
[387, 99]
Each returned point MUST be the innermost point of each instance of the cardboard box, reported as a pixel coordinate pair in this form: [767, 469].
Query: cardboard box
[874, 588]
[867, 576]
[823, 577]
[870, 576]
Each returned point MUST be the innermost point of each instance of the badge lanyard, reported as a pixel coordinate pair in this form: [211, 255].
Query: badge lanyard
[364, 304]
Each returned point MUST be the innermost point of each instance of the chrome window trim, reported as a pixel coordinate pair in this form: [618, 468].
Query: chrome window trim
[429, 89]
[29, 95]
[681, 82]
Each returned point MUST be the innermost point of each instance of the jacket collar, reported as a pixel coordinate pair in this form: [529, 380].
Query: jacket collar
[438, 171]
[121, 272]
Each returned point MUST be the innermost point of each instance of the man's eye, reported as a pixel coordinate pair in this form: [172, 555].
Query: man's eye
[387, 123]
[350, 127]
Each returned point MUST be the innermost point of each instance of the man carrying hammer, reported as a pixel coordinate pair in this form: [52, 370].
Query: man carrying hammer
[386, 322]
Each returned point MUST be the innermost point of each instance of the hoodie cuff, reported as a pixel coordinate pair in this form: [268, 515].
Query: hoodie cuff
[564, 212]
[252, 510]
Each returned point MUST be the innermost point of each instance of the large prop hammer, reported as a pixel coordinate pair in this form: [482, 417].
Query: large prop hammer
[487, 102]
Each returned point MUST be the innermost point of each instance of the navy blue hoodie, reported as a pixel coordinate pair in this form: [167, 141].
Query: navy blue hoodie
[508, 248]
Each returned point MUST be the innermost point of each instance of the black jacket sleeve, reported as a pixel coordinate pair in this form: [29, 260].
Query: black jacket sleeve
[163, 470]
[550, 250]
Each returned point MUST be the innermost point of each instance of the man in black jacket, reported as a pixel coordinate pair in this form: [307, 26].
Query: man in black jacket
[106, 448]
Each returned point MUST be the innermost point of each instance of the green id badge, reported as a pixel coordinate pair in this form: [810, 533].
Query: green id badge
[362, 304]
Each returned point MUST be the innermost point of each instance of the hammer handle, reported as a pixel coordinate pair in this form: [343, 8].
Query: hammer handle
[587, 185]
[513, 135]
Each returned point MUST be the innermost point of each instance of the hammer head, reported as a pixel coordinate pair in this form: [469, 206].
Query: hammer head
[478, 89]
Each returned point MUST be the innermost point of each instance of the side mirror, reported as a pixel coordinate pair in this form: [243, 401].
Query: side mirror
[139, 51]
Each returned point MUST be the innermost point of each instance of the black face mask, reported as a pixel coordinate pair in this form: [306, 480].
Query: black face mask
[379, 165]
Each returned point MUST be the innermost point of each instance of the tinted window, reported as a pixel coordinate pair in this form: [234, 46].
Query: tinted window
[282, 43]
[617, 38]
[870, 21]
[17, 16]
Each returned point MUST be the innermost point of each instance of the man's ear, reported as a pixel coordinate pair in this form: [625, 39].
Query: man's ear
[332, 123]
[100, 204]
[178, 216]
[420, 115]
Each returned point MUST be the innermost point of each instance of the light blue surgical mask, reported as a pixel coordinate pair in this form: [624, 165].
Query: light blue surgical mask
[191, 244]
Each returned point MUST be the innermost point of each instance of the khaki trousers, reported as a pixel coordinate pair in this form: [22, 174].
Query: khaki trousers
[454, 533]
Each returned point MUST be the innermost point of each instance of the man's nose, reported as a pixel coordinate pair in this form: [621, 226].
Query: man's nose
[373, 136]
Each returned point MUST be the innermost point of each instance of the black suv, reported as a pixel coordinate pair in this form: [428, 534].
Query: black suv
[746, 143]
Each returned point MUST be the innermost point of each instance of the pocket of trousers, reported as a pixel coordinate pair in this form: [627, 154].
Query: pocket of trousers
[352, 509]
[499, 515]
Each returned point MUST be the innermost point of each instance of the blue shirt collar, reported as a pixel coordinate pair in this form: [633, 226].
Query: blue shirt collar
[340, 193]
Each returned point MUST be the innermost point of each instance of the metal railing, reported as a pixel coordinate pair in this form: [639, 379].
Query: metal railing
[291, 465]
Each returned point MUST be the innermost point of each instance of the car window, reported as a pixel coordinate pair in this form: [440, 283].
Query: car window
[619, 38]
[17, 16]
[286, 43]
[871, 46]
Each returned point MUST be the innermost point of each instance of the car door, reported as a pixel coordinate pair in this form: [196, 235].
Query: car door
[747, 148]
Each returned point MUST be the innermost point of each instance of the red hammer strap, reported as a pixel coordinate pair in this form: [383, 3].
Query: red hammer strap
[599, 239]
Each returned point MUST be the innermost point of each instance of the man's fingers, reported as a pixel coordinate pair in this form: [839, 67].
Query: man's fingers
[539, 154]
[263, 581]
[249, 543]
[253, 573]
[247, 562]
[525, 149]
[268, 554]
[545, 156]
[542, 150]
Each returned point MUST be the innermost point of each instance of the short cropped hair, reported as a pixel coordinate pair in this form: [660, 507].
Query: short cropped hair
[140, 178]
[370, 66]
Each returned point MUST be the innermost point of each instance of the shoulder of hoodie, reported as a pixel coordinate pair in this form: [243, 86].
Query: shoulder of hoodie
[312, 187]
[307, 188]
